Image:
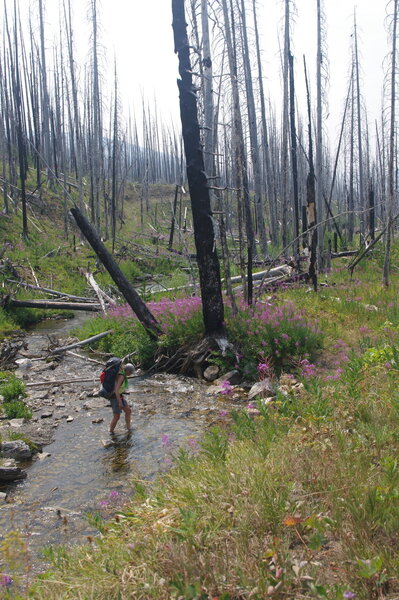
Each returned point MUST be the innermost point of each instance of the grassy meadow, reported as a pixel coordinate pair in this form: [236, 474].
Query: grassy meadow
[299, 501]
[293, 498]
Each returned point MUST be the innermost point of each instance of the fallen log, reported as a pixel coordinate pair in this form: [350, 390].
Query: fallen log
[129, 293]
[282, 270]
[92, 380]
[101, 295]
[49, 291]
[54, 304]
[93, 338]
[344, 253]
[61, 382]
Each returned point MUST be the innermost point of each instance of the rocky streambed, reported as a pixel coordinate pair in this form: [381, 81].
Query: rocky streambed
[78, 468]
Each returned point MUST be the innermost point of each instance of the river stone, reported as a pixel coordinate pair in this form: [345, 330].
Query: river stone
[17, 449]
[232, 377]
[69, 419]
[11, 473]
[261, 387]
[42, 395]
[24, 363]
[107, 443]
[211, 372]
[60, 404]
[43, 455]
[47, 414]
[16, 423]
[95, 403]
[3, 496]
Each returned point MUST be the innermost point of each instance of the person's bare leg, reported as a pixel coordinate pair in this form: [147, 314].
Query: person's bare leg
[128, 414]
[113, 423]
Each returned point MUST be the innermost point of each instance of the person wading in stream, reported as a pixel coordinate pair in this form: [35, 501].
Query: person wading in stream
[118, 403]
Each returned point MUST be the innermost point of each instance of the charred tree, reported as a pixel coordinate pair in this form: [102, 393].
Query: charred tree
[208, 263]
[311, 212]
[294, 159]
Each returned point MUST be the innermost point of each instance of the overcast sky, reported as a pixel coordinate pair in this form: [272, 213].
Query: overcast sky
[139, 34]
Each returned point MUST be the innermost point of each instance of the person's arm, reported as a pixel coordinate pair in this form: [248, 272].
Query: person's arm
[118, 384]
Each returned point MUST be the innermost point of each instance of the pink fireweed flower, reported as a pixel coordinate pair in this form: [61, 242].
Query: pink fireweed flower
[192, 443]
[5, 580]
[114, 495]
[264, 369]
[337, 374]
[364, 330]
[165, 439]
[227, 388]
[307, 368]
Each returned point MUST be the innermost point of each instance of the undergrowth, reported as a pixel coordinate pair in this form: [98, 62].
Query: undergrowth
[300, 501]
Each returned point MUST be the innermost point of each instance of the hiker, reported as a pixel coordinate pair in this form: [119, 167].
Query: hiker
[118, 403]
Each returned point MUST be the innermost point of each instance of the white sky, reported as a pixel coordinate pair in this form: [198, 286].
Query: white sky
[139, 33]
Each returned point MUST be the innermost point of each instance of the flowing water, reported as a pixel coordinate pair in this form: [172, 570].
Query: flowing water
[82, 475]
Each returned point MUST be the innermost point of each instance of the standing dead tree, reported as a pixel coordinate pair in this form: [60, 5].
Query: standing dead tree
[392, 155]
[208, 263]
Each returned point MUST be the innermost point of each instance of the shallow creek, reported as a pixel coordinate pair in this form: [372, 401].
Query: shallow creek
[77, 474]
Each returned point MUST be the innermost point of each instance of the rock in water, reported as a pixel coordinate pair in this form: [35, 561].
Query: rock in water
[261, 387]
[16, 449]
[11, 473]
[211, 372]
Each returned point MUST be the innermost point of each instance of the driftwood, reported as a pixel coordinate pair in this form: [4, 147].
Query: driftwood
[53, 304]
[61, 382]
[9, 350]
[85, 358]
[92, 380]
[93, 338]
[49, 291]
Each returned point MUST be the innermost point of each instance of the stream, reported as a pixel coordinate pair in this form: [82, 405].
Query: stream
[78, 473]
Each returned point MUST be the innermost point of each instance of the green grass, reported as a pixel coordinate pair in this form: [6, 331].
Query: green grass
[299, 502]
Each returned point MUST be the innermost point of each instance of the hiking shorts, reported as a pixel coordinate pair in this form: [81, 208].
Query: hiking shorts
[115, 406]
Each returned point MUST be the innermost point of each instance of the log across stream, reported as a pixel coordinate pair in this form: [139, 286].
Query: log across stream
[76, 474]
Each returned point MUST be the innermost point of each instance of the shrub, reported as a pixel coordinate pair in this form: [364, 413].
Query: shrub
[281, 334]
[12, 389]
[7, 324]
[16, 409]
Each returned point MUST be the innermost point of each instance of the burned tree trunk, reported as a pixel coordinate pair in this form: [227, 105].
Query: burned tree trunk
[294, 158]
[208, 263]
[131, 296]
[311, 215]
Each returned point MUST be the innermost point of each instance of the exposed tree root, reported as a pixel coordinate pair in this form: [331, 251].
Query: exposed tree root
[192, 359]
